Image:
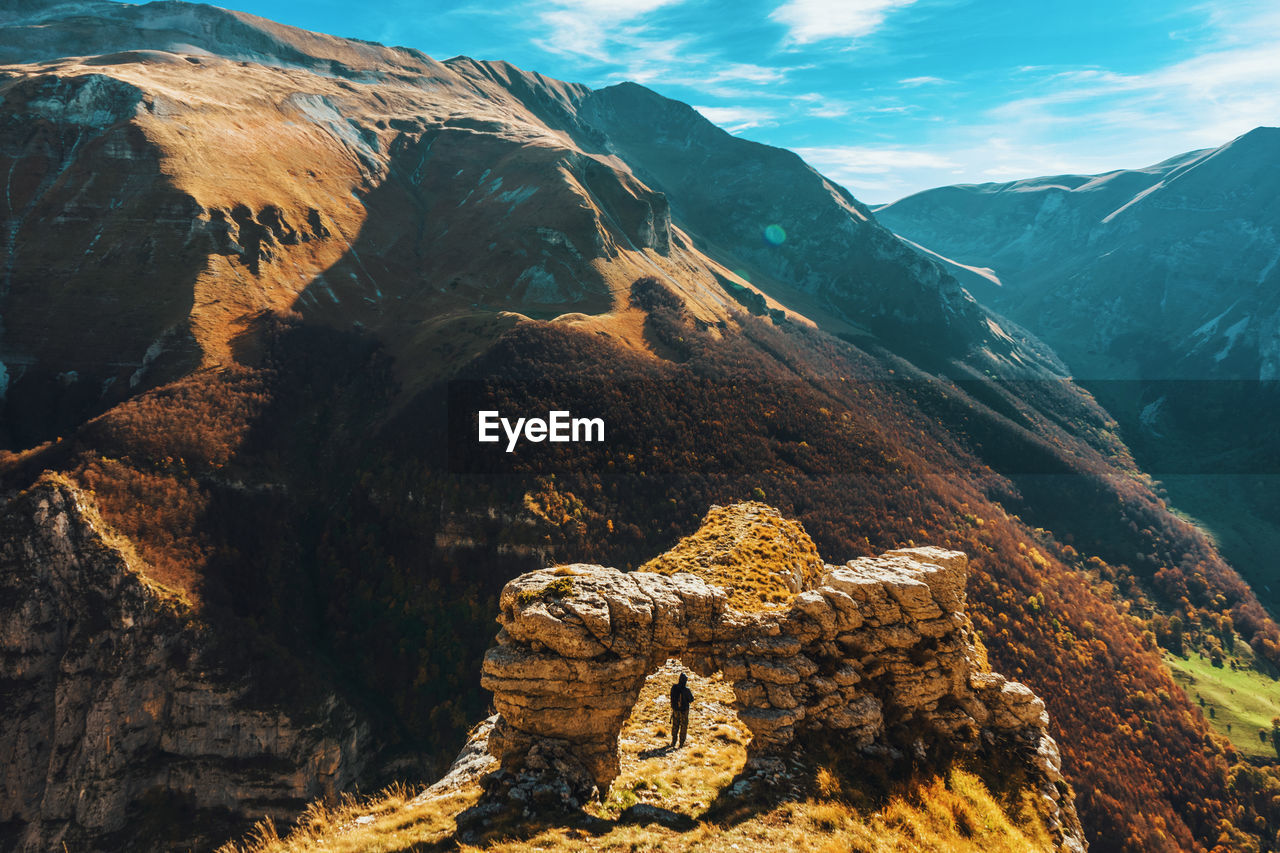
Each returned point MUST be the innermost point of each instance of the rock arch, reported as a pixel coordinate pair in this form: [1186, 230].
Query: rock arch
[881, 652]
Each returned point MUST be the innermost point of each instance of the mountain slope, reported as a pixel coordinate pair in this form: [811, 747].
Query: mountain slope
[252, 305]
[380, 146]
[1160, 289]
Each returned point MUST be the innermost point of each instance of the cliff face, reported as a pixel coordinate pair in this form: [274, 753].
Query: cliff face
[879, 651]
[121, 720]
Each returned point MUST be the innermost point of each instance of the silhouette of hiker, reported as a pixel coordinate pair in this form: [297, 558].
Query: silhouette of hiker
[681, 701]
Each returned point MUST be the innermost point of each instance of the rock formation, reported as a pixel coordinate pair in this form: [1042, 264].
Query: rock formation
[122, 710]
[880, 651]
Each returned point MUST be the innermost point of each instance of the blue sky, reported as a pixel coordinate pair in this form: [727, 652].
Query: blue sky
[888, 97]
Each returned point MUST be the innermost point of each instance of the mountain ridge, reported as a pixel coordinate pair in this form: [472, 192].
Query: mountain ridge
[1158, 288]
[1058, 242]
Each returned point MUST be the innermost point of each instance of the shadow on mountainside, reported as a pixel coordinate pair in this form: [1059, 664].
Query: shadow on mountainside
[92, 312]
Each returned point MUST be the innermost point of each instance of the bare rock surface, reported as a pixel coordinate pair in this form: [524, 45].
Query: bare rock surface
[881, 651]
[116, 692]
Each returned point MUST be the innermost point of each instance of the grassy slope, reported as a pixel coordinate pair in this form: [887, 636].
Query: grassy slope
[1242, 701]
[812, 803]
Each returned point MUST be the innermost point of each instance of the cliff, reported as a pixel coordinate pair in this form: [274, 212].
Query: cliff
[125, 717]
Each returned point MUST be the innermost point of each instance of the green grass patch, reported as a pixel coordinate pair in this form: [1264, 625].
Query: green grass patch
[1242, 701]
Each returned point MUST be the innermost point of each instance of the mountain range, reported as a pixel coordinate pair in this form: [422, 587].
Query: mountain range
[258, 281]
[1158, 287]
[1191, 240]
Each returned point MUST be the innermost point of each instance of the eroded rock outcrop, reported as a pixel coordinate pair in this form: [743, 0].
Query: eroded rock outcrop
[880, 651]
[120, 708]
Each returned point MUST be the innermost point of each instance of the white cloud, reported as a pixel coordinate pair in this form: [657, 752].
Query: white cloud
[743, 72]
[592, 28]
[878, 174]
[618, 34]
[734, 119]
[809, 21]
[829, 110]
[862, 160]
[1227, 89]
[1210, 97]
[912, 82]
[1088, 120]
[615, 10]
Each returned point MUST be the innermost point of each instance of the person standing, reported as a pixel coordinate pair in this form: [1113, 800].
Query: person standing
[681, 702]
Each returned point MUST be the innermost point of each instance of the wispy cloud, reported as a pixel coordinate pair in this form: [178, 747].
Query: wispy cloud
[743, 72]
[627, 37]
[920, 119]
[734, 119]
[912, 82]
[590, 28]
[878, 174]
[1209, 97]
[809, 21]
[827, 109]
[1090, 119]
[864, 160]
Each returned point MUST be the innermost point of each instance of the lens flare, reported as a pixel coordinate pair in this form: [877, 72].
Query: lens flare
[774, 234]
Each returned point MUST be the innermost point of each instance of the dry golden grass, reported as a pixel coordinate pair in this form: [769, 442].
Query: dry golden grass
[951, 813]
[749, 550]
[956, 815]
[685, 780]
[122, 545]
[394, 820]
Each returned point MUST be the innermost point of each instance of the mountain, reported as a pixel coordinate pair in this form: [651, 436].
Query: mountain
[1167, 272]
[259, 282]
[1159, 288]
[390, 156]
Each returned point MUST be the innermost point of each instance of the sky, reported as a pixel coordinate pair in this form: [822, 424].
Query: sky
[888, 97]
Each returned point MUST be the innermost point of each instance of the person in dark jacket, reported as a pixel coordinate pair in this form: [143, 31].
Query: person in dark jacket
[681, 701]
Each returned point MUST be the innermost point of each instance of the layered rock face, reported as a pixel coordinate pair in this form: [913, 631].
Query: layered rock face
[122, 727]
[880, 652]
